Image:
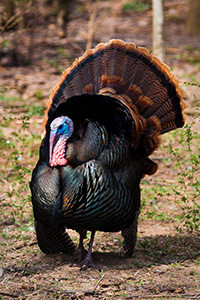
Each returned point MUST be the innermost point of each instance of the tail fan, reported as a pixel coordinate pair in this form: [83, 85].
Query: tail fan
[134, 78]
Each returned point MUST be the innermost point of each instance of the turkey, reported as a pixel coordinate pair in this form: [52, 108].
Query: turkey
[104, 119]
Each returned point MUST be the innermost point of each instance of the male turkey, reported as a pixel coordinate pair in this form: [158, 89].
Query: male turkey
[103, 121]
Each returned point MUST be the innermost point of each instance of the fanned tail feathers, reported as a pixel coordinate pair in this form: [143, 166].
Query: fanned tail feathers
[132, 76]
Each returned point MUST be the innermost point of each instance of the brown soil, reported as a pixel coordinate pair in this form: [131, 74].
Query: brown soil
[166, 264]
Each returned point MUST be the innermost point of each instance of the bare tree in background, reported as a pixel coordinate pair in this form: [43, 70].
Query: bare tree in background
[193, 18]
[158, 29]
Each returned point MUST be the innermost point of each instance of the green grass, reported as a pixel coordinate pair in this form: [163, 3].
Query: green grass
[18, 149]
[135, 5]
[183, 146]
[57, 61]
[33, 109]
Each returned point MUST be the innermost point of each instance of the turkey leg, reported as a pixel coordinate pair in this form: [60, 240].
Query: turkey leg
[88, 261]
[80, 252]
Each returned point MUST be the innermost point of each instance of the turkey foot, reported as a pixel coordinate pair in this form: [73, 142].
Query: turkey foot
[88, 262]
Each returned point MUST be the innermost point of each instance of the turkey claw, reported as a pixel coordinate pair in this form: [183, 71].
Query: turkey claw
[88, 263]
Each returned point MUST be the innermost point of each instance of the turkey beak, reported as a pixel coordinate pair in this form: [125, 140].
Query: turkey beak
[51, 145]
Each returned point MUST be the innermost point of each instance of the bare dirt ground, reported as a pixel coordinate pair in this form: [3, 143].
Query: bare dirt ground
[166, 264]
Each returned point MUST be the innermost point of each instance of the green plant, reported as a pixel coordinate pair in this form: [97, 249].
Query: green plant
[38, 95]
[5, 99]
[36, 110]
[14, 172]
[135, 5]
[16, 152]
[183, 145]
[61, 53]
[152, 208]
[187, 188]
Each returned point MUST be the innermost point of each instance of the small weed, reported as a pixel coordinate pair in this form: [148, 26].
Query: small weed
[155, 194]
[5, 99]
[192, 272]
[191, 55]
[123, 294]
[135, 5]
[196, 262]
[176, 265]
[16, 164]
[151, 281]
[187, 189]
[140, 282]
[38, 95]
[36, 110]
[61, 53]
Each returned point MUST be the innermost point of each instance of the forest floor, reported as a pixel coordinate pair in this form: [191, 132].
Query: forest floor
[166, 262]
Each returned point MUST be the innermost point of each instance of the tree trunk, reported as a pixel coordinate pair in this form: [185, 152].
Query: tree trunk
[193, 18]
[158, 29]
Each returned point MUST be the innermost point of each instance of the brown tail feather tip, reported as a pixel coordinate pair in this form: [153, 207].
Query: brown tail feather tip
[149, 167]
[116, 79]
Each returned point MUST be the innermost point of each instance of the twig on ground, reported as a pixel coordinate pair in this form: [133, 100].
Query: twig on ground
[9, 295]
[98, 282]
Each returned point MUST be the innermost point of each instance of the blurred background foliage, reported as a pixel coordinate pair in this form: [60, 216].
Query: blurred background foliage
[20, 21]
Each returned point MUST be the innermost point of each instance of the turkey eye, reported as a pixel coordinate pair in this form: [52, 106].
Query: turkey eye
[60, 126]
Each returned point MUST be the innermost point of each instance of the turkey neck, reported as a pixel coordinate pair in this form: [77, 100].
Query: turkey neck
[86, 143]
